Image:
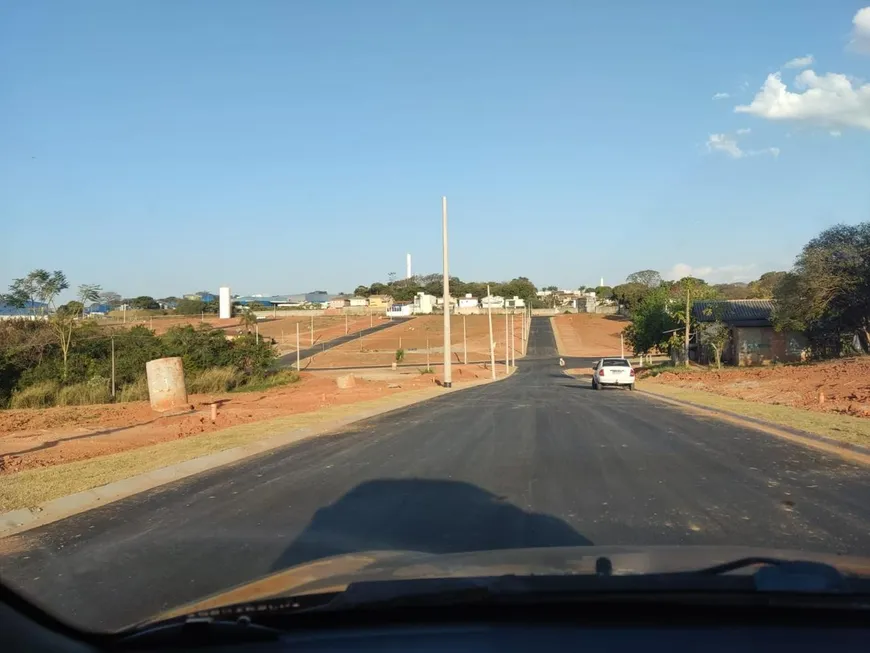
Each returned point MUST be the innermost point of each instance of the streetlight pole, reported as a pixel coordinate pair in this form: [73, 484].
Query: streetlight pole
[448, 379]
[464, 343]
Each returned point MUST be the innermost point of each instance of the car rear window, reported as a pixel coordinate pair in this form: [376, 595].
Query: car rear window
[616, 362]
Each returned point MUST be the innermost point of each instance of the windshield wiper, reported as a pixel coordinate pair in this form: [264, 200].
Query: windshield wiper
[779, 575]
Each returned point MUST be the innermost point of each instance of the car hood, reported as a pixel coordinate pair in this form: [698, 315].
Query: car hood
[334, 574]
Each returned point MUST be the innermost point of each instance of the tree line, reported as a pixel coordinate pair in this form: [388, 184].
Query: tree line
[403, 290]
[825, 296]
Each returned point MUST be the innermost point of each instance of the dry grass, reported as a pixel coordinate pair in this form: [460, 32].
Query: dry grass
[38, 395]
[214, 379]
[95, 391]
[32, 487]
[136, 391]
[845, 428]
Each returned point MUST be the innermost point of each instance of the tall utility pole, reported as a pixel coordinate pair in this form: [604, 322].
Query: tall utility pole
[621, 345]
[297, 346]
[491, 341]
[448, 379]
[688, 307]
[464, 343]
[513, 349]
[113, 366]
[507, 351]
[312, 330]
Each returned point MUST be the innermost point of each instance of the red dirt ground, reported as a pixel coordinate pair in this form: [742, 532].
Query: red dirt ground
[589, 334]
[32, 438]
[414, 335]
[845, 384]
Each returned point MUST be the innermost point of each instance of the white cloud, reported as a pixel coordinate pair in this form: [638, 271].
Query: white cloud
[836, 133]
[861, 30]
[743, 130]
[800, 62]
[711, 274]
[721, 96]
[724, 143]
[830, 100]
[728, 145]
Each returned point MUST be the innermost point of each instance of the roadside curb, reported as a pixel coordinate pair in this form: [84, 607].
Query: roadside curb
[24, 519]
[814, 440]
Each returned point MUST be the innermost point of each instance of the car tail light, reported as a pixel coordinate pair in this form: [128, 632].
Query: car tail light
[632, 372]
[601, 372]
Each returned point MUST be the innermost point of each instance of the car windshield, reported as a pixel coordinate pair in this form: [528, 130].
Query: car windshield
[297, 293]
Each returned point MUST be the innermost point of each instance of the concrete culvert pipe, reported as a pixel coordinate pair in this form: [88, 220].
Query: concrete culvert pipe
[166, 387]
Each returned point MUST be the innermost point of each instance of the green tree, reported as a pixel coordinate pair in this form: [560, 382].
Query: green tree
[144, 302]
[38, 286]
[604, 292]
[248, 320]
[630, 294]
[88, 293]
[72, 308]
[827, 294]
[362, 291]
[764, 287]
[689, 290]
[190, 307]
[648, 278]
[111, 298]
[651, 322]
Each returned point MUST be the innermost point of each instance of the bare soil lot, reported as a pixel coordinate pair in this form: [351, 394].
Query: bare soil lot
[312, 329]
[831, 387]
[588, 334]
[34, 438]
[422, 334]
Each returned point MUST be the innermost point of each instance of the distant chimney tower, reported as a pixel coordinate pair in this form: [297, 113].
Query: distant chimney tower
[408, 270]
[602, 282]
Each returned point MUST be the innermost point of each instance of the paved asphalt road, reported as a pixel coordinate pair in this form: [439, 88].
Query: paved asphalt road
[289, 360]
[536, 460]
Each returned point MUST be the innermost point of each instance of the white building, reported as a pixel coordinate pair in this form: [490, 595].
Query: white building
[424, 304]
[357, 302]
[492, 301]
[468, 305]
[514, 302]
[400, 310]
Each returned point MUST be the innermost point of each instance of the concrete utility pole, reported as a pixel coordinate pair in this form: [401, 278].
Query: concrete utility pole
[312, 330]
[257, 331]
[513, 349]
[345, 324]
[491, 341]
[464, 343]
[297, 346]
[686, 344]
[448, 378]
[113, 366]
[507, 351]
[621, 345]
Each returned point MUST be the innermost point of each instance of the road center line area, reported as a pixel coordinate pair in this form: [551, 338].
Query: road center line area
[536, 460]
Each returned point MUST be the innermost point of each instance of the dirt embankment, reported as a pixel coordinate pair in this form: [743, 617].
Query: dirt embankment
[589, 334]
[33, 438]
[832, 386]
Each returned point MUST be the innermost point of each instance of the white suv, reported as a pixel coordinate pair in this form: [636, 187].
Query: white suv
[612, 371]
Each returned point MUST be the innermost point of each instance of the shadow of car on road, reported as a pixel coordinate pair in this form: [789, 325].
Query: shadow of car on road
[431, 516]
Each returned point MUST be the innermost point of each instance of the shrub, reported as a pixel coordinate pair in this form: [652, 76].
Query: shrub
[94, 391]
[400, 355]
[38, 395]
[427, 370]
[214, 379]
[135, 391]
[272, 380]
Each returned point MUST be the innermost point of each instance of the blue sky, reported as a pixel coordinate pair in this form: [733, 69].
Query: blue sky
[162, 147]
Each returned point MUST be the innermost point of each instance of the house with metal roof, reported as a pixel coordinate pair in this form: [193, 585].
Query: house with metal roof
[753, 339]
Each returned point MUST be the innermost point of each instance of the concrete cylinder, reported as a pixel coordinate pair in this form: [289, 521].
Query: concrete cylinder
[166, 388]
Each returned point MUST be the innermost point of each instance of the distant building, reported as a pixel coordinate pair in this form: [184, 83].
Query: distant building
[752, 338]
[515, 302]
[492, 301]
[340, 302]
[400, 310]
[468, 305]
[380, 301]
[424, 304]
[357, 302]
